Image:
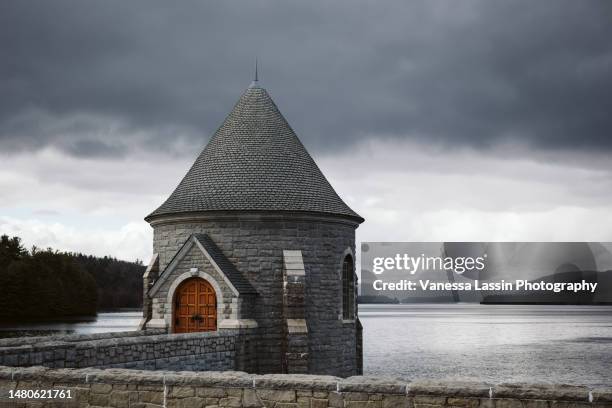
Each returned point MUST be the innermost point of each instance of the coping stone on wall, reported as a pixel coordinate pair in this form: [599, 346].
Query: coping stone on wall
[602, 395]
[156, 339]
[546, 391]
[6, 373]
[67, 375]
[373, 384]
[13, 349]
[126, 376]
[71, 338]
[297, 382]
[237, 379]
[450, 388]
[105, 342]
[29, 373]
[228, 379]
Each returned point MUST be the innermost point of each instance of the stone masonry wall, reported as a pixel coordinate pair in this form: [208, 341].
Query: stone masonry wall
[255, 246]
[123, 388]
[194, 259]
[221, 350]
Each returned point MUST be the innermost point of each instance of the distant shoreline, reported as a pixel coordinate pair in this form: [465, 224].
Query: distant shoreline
[67, 318]
[490, 303]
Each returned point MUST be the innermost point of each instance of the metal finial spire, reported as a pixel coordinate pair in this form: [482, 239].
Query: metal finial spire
[255, 83]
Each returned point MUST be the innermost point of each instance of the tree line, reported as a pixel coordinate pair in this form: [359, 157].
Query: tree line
[38, 284]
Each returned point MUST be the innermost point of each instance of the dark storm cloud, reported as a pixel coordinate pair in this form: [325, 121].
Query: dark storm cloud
[102, 78]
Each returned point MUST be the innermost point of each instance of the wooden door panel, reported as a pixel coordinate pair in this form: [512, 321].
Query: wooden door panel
[195, 307]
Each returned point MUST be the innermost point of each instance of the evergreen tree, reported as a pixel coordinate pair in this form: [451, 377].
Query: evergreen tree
[47, 283]
[11, 250]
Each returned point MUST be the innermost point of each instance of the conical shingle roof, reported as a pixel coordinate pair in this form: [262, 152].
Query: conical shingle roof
[254, 162]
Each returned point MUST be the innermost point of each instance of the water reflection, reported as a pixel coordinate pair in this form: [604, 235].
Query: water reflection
[104, 322]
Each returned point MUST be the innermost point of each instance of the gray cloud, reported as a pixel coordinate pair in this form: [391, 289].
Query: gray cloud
[107, 78]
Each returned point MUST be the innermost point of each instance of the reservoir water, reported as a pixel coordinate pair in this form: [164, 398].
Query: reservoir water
[102, 323]
[562, 344]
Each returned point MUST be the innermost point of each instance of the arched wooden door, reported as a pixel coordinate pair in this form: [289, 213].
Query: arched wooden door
[195, 307]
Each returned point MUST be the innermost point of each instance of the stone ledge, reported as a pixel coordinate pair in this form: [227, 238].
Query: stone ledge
[86, 342]
[321, 383]
[28, 373]
[602, 395]
[152, 339]
[66, 375]
[296, 382]
[297, 326]
[124, 376]
[450, 388]
[231, 324]
[221, 379]
[563, 392]
[373, 384]
[13, 349]
[6, 373]
[72, 338]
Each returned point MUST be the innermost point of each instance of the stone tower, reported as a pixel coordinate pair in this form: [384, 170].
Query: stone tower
[254, 239]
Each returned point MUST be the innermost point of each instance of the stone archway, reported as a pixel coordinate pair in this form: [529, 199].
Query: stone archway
[194, 308]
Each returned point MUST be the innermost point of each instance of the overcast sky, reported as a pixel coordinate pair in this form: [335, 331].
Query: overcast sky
[435, 120]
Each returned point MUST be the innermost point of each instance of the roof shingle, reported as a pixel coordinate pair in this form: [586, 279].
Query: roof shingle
[241, 284]
[254, 162]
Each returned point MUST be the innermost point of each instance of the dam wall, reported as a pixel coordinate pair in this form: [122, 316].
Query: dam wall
[123, 388]
[231, 349]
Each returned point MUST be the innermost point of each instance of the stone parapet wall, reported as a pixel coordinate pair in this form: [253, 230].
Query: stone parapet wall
[20, 341]
[123, 388]
[221, 350]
